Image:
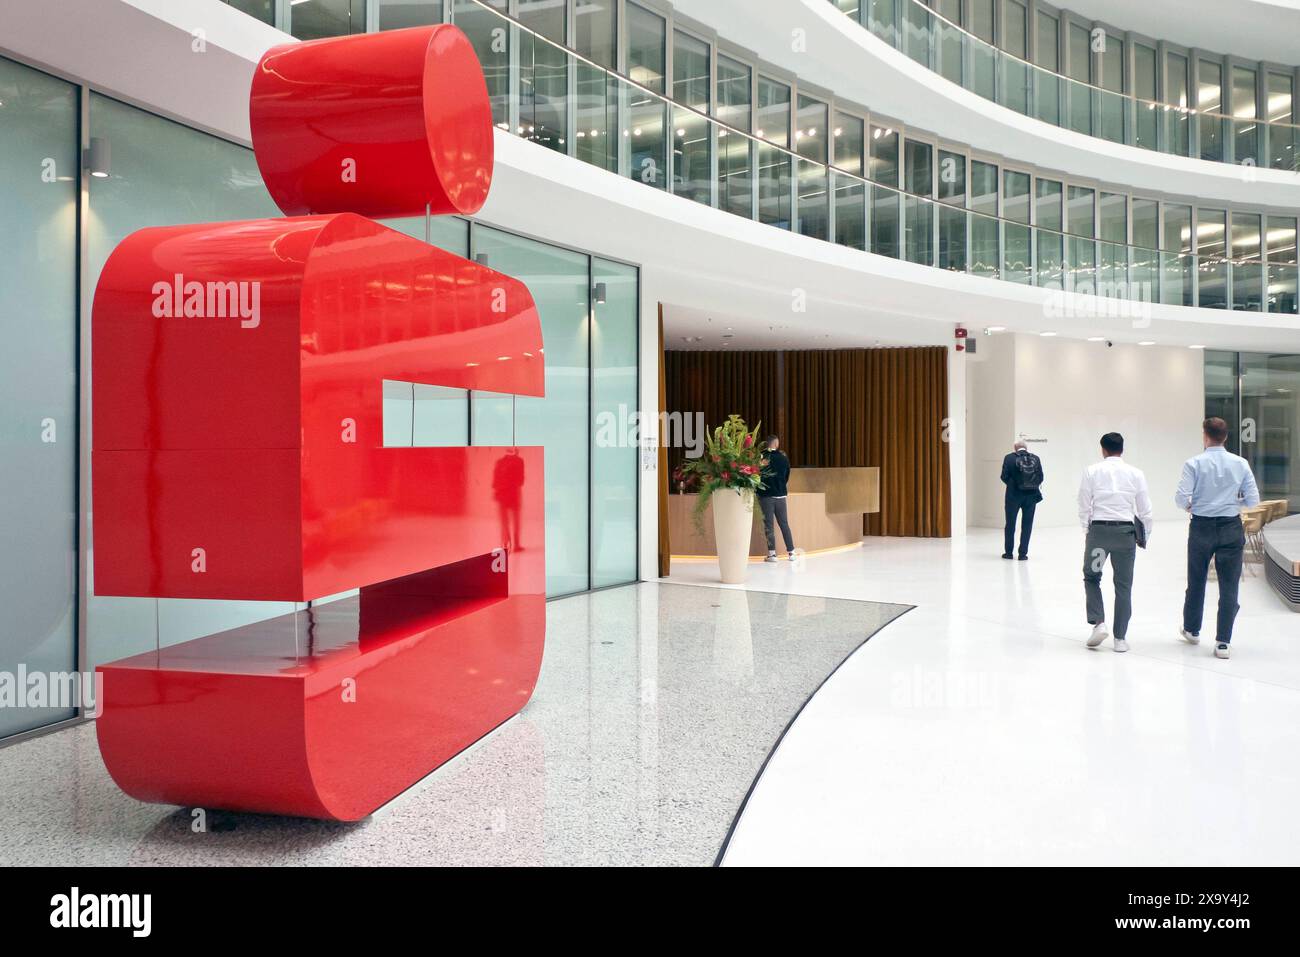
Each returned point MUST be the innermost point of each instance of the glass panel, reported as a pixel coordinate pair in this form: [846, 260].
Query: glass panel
[1282, 151]
[1015, 73]
[1177, 138]
[814, 211]
[1082, 251]
[1113, 105]
[1017, 258]
[1281, 250]
[918, 214]
[1047, 88]
[916, 32]
[398, 14]
[595, 29]
[543, 74]
[647, 40]
[810, 130]
[1247, 276]
[1209, 98]
[952, 238]
[881, 20]
[984, 253]
[735, 105]
[327, 18]
[1176, 258]
[949, 39]
[773, 119]
[884, 221]
[191, 178]
[491, 42]
[440, 416]
[850, 143]
[1211, 247]
[1078, 94]
[982, 54]
[1112, 251]
[1221, 392]
[596, 105]
[559, 282]
[851, 8]
[1049, 217]
[1245, 128]
[1270, 397]
[1145, 276]
[615, 472]
[692, 133]
[1144, 86]
[40, 117]
[850, 212]
[263, 10]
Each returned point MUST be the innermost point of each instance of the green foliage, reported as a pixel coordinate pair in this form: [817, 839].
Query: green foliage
[733, 458]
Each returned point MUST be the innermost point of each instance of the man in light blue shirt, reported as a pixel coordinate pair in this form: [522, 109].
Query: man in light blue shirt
[1214, 487]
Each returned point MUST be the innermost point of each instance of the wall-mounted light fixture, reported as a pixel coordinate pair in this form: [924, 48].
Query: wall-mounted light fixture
[599, 293]
[98, 158]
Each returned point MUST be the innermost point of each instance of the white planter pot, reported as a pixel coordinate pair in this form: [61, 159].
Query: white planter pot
[733, 522]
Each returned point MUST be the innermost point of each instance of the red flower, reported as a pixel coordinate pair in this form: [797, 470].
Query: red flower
[733, 464]
[749, 440]
[748, 469]
[726, 476]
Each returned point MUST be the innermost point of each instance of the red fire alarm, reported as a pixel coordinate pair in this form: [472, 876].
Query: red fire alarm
[960, 335]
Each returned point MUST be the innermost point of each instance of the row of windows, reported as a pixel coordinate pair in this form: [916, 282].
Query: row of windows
[1081, 75]
[798, 161]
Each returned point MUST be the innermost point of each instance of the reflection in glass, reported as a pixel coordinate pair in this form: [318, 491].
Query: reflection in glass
[1176, 286]
[735, 153]
[1017, 257]
[492, 46]
[1177, 135]
[399, 14]
[1211, 247]
[774, 173]
[1281, 252]
[692, 133]
[1049, 216]
[1047, 86]
[1144, 86]
[327, 18]
[1247, 277]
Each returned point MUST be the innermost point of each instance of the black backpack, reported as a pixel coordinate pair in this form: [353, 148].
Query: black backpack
[1030, 475]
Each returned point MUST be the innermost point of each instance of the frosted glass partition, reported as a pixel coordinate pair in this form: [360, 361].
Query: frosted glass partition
[38, 383]
[614, 465]
[162, 173]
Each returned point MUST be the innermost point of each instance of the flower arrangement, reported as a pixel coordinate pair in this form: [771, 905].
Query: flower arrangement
[732, 459]
[684, 480]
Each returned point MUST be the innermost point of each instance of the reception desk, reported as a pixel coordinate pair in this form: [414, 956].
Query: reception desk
[1282, 558]
[825, 508]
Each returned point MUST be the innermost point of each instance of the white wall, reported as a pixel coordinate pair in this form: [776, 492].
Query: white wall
[1067, 393]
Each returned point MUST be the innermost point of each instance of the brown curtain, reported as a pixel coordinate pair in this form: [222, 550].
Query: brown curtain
[665, 544]
[719, 384]
[840, 408]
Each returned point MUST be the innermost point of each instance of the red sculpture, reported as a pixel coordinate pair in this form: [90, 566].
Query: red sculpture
[238, 453]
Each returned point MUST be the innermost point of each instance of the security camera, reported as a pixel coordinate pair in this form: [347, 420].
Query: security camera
[1109, 343]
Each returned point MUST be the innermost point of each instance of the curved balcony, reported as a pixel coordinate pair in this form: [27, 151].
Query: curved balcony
[1174, 125]
[1029, 230]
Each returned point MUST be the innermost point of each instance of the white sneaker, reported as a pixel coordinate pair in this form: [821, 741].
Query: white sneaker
[771, 557]
[795, 555]
[1220, 651]
[1099, 634]
[1121, 644]
[1188, 637]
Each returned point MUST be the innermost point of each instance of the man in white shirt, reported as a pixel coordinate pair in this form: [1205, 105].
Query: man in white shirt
[1113, 499]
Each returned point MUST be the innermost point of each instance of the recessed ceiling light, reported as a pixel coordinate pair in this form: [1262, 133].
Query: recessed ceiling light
[1196, 347]
[1047, 334]
[1096, 338]
[1146, 342]
[996, 329]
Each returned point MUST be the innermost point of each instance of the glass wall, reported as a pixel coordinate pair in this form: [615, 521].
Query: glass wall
[315, 19]
[1258, 395]
[39, 165]
[692, 133]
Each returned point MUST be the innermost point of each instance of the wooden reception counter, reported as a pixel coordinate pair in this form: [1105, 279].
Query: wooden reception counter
[825, 506]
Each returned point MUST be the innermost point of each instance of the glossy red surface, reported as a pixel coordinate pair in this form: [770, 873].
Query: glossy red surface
[378, 124]
[237, 376]
[263, 444]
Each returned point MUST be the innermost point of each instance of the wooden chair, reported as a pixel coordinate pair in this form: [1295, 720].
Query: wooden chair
[1252, 520]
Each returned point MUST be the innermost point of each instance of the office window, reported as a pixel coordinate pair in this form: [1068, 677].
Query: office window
[1017, 257]
[399, 14]
[774, 166]
[882, 20]
[916, 32]
[735, 107]
[1079, 95]
[1211, 248]
[1280, 246]
[983, 54]
[1049, 218]
[984, 230]
[849, 137]
[1247, 269]
[646, 47]
[492, 46]
[949, 40]
[692, 133]
[1144, 87]
[1081, 224]
[647, 122]
[1282, 139]
[38, 384]
[918, 213]
[1177, 261]
[952, 217]
[1209, 100]
[1112, 251]
[811, 129]
[1177, 120]
[811, 143]
[1047, 86]
[1145, 276]
[596, 31]
[263, 10]
[884, 169]
[327, 18]
[1112, 104]
[543, 74]
[1269, 398]
[1245, 116]
[1015, 77]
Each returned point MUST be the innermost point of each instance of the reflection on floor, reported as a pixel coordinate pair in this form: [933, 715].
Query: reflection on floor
[657, 705]
[978, 729]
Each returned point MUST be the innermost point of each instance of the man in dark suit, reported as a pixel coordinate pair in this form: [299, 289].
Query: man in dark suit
[1022, 474]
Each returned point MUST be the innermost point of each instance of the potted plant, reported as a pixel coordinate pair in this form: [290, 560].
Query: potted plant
[729, 472]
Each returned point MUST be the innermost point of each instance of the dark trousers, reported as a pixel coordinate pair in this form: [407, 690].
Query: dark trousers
[1118, 543]
[775, 508]
[1024, 508]
[1224, 540]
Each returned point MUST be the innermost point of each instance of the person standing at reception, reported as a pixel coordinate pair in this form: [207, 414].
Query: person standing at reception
[1115, 512]
[1022, 474]
[1213, 488]
[772, 498]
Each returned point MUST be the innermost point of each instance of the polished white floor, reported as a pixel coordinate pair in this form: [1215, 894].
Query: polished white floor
[978, 729]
